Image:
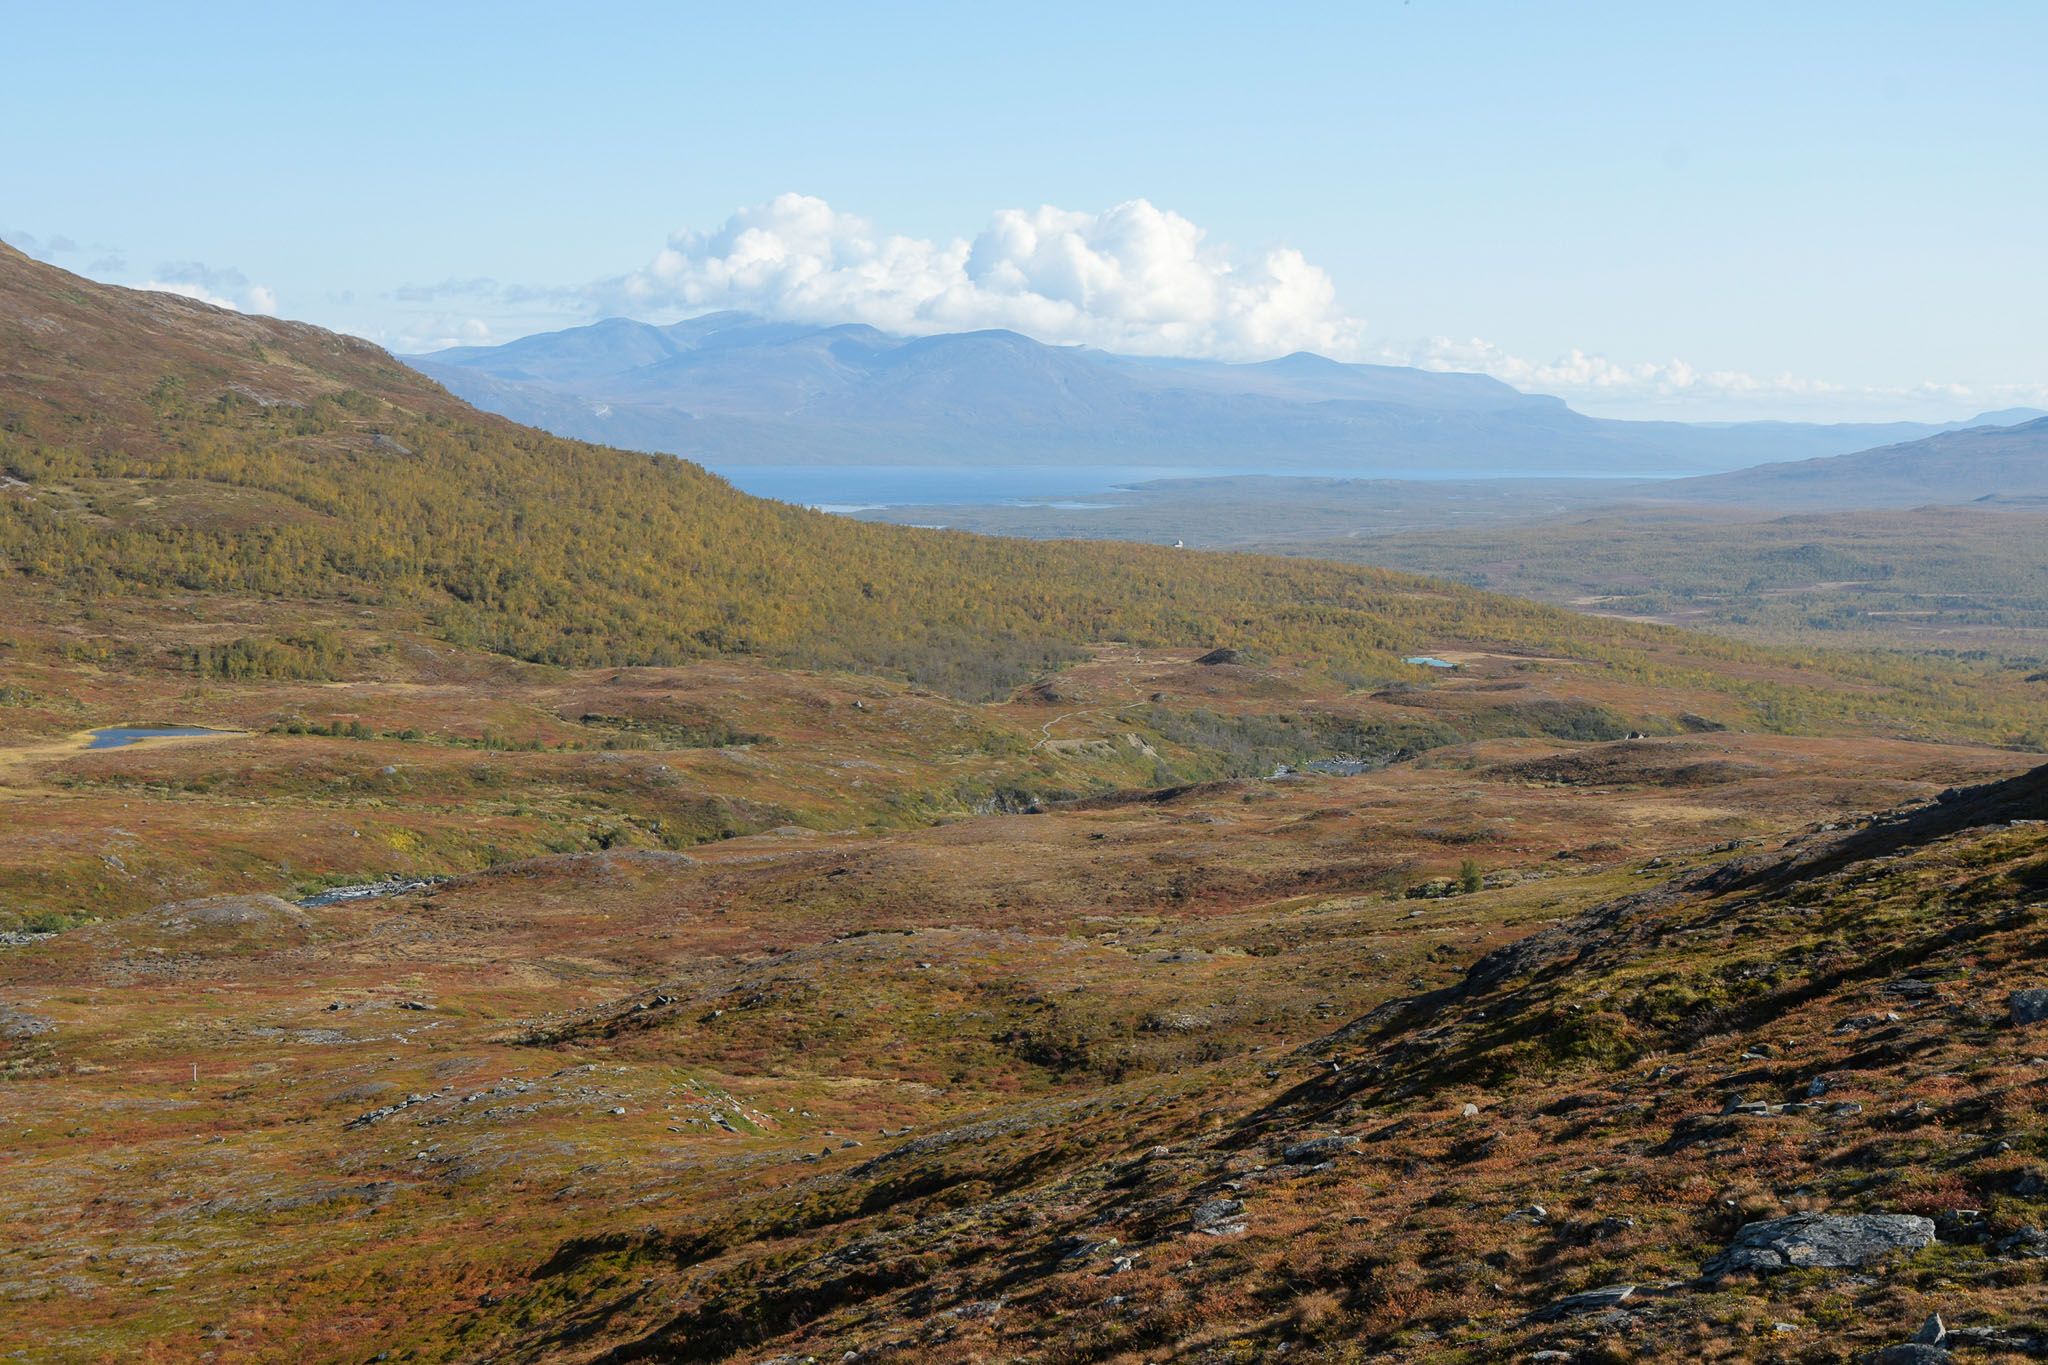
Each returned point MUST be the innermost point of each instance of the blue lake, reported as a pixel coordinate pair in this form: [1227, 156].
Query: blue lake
[850, 488]
[113, 737]
[846, 488]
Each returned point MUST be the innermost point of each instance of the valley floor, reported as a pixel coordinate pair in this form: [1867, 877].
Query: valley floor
[871, 1077]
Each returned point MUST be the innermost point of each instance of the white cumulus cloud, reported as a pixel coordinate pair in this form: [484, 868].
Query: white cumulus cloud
[189, 290]
[1680, 389]
[222, 288]
[438, 332]
[1135, 278]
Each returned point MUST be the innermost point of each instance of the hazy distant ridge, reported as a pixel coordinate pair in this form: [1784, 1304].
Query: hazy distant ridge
[730, 389]
[1979, 463]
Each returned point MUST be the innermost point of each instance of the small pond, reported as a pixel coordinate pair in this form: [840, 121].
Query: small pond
[114, 736]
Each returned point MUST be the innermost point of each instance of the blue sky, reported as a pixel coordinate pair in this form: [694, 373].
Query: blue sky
[1701, 211]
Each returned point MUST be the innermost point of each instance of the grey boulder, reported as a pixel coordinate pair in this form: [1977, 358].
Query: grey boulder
[1821, 1240]
[1591, 1301]
[1318, 1149]
[1218, 1217]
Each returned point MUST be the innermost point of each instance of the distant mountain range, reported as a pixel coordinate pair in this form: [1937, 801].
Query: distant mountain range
[1990, 464]
[732, 389]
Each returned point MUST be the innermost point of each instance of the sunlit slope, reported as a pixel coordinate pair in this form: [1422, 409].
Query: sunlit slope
[279, 459]
[155, 445]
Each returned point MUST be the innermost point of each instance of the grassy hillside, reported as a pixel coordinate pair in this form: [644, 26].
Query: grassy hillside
[1956, 579]
[165, 445]
[156, 446]
[1924, 579]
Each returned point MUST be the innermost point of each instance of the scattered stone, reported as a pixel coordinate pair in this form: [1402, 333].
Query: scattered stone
[1218, 1217]
[2029, 1007]
[1856, 1023]
[1470, 1111]
[1823, 1240]
[18, 1025]
[374, 1115]
[1932, 1332]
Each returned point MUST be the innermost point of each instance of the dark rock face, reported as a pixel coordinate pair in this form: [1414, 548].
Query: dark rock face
[2029, 1007]
[1823, 1240]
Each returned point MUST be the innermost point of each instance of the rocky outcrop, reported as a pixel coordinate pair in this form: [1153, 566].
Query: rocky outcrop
[1821, 1241]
